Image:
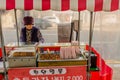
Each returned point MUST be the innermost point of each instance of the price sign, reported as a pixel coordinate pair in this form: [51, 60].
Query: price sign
[48, 73]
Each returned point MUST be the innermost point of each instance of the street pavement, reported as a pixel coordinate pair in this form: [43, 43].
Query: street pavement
[115, 65]
[106, 43]
[50, 35]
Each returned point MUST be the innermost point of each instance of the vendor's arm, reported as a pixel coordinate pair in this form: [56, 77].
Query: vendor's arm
[22, 39]
[39, 35]
[21, 36]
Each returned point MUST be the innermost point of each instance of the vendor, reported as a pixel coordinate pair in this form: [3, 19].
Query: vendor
[29, 33]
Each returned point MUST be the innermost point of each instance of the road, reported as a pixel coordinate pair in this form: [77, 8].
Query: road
[50, 35]
[106, 42]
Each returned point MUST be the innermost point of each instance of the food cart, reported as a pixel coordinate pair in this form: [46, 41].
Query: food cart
[60, 72]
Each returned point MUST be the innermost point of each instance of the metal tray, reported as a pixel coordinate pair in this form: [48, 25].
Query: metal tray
[81, 60]
[27, 61]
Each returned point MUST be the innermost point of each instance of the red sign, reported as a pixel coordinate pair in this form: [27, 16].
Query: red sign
[48, 73]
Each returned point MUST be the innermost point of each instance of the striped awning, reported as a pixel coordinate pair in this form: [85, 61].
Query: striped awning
[61, 5]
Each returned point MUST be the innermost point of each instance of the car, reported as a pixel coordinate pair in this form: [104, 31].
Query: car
[51, 19]
[46, 21]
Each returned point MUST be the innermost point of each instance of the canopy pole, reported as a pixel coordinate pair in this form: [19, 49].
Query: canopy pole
[17, 31]
[78, 32]
[3, 49]
[90, 43]
[79, 29]
[71, 32]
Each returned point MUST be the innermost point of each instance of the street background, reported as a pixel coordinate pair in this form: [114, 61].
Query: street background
[106, 35]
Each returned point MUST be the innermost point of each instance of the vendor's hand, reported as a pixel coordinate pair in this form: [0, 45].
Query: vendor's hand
[42, 40]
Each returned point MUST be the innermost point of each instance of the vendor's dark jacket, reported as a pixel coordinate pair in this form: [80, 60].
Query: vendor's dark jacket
[35, 35]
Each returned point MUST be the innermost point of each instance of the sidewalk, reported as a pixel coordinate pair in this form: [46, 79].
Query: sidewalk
[115, 65]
